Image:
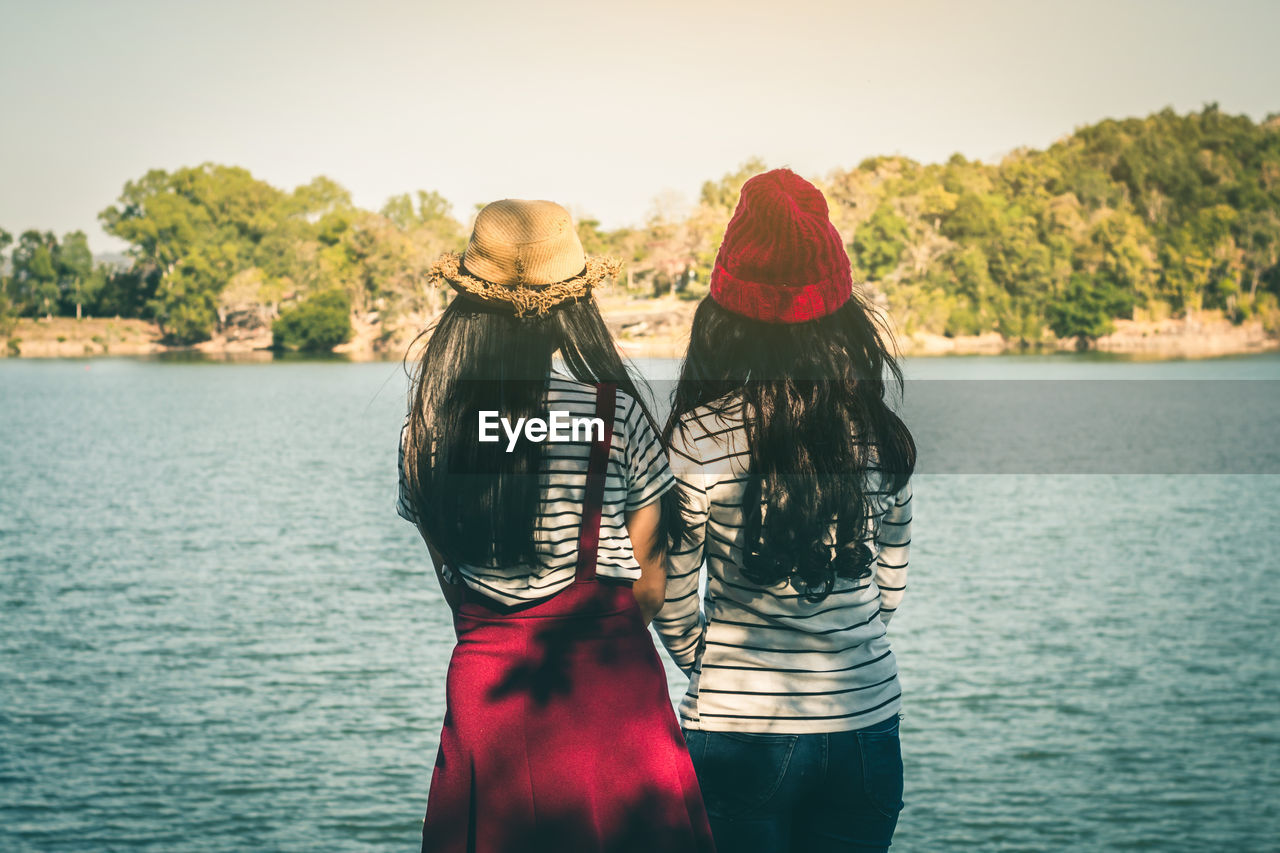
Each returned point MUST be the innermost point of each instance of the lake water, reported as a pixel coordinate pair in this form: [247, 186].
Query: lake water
[215, 633]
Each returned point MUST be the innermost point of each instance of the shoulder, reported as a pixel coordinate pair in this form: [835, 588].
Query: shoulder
[579, 398]
[566, 388]
[714, 424]
[628, 409]
[630, 422]
[582, 395]
[707, 432]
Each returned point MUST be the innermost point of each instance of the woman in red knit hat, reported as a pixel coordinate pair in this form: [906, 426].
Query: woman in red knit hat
[797, 476]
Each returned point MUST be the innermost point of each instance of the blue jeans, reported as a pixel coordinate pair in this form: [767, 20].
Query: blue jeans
[817, 793]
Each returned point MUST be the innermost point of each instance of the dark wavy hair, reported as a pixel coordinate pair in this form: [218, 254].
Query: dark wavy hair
[812, 399]
[477, 503]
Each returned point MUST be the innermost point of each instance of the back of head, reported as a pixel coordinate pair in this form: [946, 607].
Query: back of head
[524, 290]
[781, 261]
[784, 332]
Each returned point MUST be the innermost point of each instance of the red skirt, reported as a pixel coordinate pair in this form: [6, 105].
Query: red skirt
[559, 733]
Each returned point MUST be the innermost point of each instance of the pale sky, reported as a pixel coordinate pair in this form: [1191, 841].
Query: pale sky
[598, 105]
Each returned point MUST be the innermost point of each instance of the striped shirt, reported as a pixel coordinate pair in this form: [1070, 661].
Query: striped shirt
[765, 659]
[638, 474]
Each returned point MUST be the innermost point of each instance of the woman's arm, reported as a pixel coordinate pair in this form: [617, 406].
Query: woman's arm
[895, 549]
[681, 626]
[406, 510]
[643, 527]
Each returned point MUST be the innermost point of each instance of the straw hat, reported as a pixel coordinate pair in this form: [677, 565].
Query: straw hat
[525, 257]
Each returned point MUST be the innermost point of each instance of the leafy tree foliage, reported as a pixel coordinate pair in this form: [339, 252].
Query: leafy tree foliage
[195, 230]
[6, 304]
[1162, 215]
[1086, 310]
[33, 284]
[192, 230]
[49, 276]
[1151, 217]
[319, 323]
[79, 279]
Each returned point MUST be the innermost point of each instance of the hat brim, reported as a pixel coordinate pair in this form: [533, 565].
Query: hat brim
[522, 299]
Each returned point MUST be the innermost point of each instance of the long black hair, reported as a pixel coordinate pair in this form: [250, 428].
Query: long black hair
[478, 503]
[819, 430]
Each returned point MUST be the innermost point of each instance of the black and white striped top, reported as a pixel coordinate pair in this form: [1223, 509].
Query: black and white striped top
[764, 659]
[638, 475]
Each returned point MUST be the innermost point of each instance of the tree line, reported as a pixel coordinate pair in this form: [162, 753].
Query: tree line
[49, 276]
[1147, 217]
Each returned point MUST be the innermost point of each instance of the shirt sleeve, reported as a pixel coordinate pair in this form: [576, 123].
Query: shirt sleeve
[404, 502]
[894, 540]
[405, 508]
[648, 473]
[680, 624]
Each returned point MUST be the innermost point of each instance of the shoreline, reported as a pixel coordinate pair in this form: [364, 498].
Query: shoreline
[644, 328]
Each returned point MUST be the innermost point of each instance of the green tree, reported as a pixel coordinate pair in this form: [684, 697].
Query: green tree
[880, 242]
[1122, 250]
[317, 324]
[724, 192]
[6, 303]
[1260, 240]
[287, 259]
[1172, 212]
[594, 241]
[79, 281]
[432, 210]
[1086, 309]
[35, 273]
[195, 229]
[125, 292]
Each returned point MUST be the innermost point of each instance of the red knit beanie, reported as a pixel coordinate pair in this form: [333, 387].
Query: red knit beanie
[782, 261]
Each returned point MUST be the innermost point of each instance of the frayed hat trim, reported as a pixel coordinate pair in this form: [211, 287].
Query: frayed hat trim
[524, 299]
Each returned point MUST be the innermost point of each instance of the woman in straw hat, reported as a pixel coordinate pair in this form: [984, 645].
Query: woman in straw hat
[558, 731]
[798, 478]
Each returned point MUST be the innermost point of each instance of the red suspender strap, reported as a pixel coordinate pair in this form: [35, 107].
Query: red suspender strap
[597, 471]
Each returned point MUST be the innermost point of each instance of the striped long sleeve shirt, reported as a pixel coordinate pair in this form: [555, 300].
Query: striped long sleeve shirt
[638, 475]
[766, 659]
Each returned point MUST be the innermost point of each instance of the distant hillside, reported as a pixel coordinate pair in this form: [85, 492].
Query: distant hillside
[1142, 219]
[1145, 218]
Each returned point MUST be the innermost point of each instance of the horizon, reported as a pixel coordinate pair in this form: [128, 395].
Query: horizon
[389, 97]
[120, 249]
